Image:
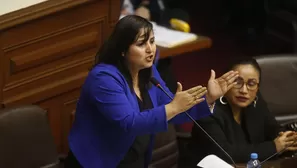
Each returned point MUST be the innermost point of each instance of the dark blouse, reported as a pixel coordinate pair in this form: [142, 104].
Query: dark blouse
[135, 157]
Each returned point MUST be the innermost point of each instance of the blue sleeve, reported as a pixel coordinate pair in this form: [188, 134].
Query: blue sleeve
[198, 111]
[110, 99]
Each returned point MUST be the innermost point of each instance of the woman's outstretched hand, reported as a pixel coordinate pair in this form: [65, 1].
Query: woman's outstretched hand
[184, 100]
[217, 87]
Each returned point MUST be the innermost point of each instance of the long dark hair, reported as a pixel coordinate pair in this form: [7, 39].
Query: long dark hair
[125, 33]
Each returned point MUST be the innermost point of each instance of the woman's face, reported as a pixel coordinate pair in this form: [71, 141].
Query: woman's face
[141, 54]
[245, 91]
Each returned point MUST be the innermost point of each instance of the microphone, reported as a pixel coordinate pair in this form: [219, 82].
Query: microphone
[278, 152]
[155, 82]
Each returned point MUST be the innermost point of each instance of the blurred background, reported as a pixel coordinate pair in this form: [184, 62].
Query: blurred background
[47, 48]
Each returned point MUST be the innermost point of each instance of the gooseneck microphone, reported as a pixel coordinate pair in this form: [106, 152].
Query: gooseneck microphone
[155, 82]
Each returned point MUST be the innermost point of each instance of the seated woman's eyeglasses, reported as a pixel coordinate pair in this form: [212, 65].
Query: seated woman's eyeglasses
[251, 84]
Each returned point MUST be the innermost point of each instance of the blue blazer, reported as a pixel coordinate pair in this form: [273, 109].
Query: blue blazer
[108, 119]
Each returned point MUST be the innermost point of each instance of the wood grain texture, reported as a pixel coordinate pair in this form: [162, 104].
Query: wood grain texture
[1, 77]
[201, 43]
[60, 119]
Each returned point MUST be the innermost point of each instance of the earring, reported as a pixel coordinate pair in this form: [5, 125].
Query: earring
[255, 101]
[123, 54]
[221, 100]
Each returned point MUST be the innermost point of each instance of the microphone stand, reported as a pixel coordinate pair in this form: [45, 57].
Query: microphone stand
[157, 84]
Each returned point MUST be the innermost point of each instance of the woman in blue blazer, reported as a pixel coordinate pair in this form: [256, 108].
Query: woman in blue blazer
[119, 110]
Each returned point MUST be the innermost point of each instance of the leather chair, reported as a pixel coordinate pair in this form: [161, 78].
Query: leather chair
[26, 140]
[165, 152]
[279, 85]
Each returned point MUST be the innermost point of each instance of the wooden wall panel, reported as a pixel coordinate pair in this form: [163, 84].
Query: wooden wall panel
[44, 58]
[56, 21]
[1, 77]
[60, 119]
[114, 7]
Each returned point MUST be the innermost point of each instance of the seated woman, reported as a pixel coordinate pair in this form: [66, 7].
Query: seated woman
[241, 123]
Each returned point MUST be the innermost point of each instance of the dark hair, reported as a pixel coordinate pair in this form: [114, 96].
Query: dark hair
[245, 61]
[125, 33]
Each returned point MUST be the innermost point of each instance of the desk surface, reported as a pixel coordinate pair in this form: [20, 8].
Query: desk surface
[201, 43]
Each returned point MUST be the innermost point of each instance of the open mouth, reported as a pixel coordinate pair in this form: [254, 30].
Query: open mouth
[150, 58]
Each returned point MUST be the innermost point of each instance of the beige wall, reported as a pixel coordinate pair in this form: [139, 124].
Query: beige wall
[7, 6]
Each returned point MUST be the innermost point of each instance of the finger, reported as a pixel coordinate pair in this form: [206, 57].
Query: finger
[291, 149]
[291, 138]
[200, 94]
[287, 133]
[199, 91]
[229, 80]
[179, 87]
[292, 133]
[231, 85]
[294, 144]
[232, 79]
[290, 144]
[212, 75]
[197, 96]
[229, 75]
[197, 101]
[193, 89]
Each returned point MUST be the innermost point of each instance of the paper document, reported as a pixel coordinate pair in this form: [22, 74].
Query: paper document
[169, 38]
[212, 161]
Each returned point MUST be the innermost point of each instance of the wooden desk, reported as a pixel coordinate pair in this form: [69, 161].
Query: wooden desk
[280, 163]
[201, 43]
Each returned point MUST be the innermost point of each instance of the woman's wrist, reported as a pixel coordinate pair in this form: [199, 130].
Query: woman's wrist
[170, 111]
[212, 106]
[209, 100]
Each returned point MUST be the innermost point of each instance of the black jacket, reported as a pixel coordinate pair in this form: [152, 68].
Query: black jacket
[256, 133]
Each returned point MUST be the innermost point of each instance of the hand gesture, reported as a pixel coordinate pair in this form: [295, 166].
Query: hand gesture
[217, 87]
[286, 140]
[184, 100]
